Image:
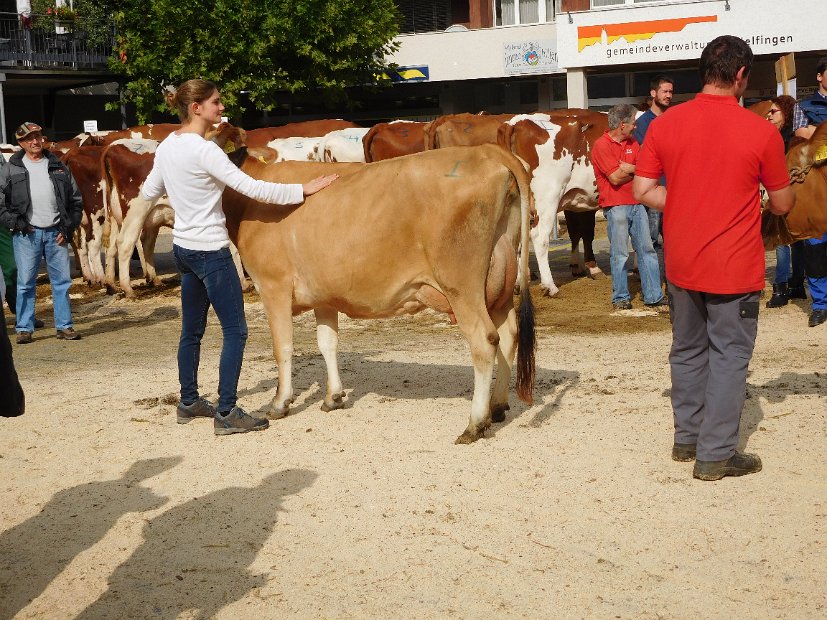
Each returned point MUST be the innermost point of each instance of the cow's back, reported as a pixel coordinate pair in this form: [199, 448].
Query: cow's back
[303, 129]
[463, 130]
[395, 139]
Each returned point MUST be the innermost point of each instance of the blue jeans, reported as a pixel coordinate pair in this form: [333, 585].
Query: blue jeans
[209, 277]
[29, 249]
[631, 220]
[787, 257]
[655, 218]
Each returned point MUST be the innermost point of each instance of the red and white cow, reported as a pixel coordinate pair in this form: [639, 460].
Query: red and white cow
[85, 164]
[463, 130]
[394, 139]
[152, 131]
[557, 147]
[295, 149]
[342, 145]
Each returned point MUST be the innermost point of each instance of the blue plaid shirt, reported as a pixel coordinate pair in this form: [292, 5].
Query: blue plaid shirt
[799, 118]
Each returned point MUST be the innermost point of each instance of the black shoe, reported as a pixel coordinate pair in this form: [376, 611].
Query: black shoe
[201, 408]
[816, 318]
[683, 452]
[38, 324]
[67, 334]
[623, 304]
[24, 337]
[237, 421]
[780, 296]
[796, 289]
[737, 465]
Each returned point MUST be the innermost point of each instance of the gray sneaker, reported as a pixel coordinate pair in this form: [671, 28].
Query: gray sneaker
[238, 421]
[201, 408]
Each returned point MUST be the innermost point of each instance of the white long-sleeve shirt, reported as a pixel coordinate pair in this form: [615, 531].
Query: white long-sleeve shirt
[193, 172]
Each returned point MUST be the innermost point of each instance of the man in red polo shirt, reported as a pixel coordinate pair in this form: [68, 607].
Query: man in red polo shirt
[613, 158]
[713, 153]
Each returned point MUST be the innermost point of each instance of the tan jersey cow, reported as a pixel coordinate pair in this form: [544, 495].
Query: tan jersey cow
[438, 229]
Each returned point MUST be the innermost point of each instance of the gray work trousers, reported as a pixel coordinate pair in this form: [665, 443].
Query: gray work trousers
[713, 337]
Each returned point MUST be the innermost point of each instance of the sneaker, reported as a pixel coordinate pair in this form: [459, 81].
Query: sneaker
[24, 337]
[737, 465]
[623, 304]
[67, 334]
[238, 421]
[201, 408]
[683, 452]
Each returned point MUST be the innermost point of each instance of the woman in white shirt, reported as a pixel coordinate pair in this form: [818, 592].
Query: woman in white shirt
[193, 172]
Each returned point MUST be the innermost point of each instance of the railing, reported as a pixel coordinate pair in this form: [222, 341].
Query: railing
[41, 42]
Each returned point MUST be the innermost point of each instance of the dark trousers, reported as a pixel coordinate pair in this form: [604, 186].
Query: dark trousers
[12, 400]
[713, 337]
[210, 278]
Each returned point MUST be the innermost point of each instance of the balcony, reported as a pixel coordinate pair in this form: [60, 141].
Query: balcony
[42, 43]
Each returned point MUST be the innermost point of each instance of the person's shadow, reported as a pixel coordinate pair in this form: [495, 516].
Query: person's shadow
[39, 549]
[196, 557]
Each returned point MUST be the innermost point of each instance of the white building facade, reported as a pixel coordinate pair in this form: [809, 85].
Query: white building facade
[526, 55]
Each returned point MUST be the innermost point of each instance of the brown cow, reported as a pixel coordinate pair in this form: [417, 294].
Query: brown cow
[807, 162]
[152, 131]
[394, 139]
[463, 130]
[304, 129]
[557, 146]
[438, 229]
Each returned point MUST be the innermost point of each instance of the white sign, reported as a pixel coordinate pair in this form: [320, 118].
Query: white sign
[680, 31]
[90, 126]
[225, 119]
[529, 57]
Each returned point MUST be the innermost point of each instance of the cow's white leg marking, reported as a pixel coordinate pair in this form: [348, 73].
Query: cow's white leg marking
[128, 238]
[239, 267]
[327, 336]
[111, 253]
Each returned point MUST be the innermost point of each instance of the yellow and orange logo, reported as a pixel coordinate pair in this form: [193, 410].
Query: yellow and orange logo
[635, 31]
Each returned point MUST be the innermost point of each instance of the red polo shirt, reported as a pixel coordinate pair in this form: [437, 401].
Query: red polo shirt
[714, 153]
[606, 153]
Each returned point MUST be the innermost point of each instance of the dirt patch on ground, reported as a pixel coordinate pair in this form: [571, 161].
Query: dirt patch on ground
[571, 508]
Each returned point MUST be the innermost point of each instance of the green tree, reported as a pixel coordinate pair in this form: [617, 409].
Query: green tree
[257, 46]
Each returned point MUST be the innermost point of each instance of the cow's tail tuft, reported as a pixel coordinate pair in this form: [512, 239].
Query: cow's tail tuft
[526, 343]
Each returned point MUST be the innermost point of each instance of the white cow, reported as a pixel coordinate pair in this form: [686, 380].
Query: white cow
[295, 149]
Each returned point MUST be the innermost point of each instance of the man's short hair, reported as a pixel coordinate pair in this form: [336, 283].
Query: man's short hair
[722, 58]
[656, 81]
[621, 113]
[822, 65]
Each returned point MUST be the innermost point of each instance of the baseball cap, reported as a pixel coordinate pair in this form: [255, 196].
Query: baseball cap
[25, 129]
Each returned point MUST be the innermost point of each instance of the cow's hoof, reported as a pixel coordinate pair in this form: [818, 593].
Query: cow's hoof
[576, 272]
[498, 413]
[277, 413]
[334, 403]
[594, 272]
[548, 292]
[468, 437]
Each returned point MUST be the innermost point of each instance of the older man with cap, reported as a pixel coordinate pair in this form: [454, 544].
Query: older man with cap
[41, 205]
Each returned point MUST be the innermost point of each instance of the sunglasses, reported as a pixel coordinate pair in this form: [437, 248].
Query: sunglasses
[773, 111]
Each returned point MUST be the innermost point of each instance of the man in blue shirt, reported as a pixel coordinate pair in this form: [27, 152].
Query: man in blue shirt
[660, 89]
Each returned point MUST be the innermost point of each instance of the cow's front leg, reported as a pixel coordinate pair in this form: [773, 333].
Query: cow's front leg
[327, 335]
[280, 315]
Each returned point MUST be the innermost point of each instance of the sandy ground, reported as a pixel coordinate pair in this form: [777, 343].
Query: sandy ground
[571, 508]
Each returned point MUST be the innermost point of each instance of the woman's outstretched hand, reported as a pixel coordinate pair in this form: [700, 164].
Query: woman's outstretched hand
[318, 184]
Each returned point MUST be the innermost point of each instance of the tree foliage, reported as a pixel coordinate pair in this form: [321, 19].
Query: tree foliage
[257, 46]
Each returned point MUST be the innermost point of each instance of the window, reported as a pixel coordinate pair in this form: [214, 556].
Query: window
[511, 12]
[424, 15]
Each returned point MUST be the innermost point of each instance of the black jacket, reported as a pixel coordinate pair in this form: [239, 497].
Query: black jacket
[17, 198]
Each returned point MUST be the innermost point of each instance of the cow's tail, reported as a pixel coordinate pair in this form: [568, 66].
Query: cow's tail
[526, 342]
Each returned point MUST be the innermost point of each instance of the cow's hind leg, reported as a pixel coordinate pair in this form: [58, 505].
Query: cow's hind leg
[505, 320]
[327, 335]
[482, 339]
